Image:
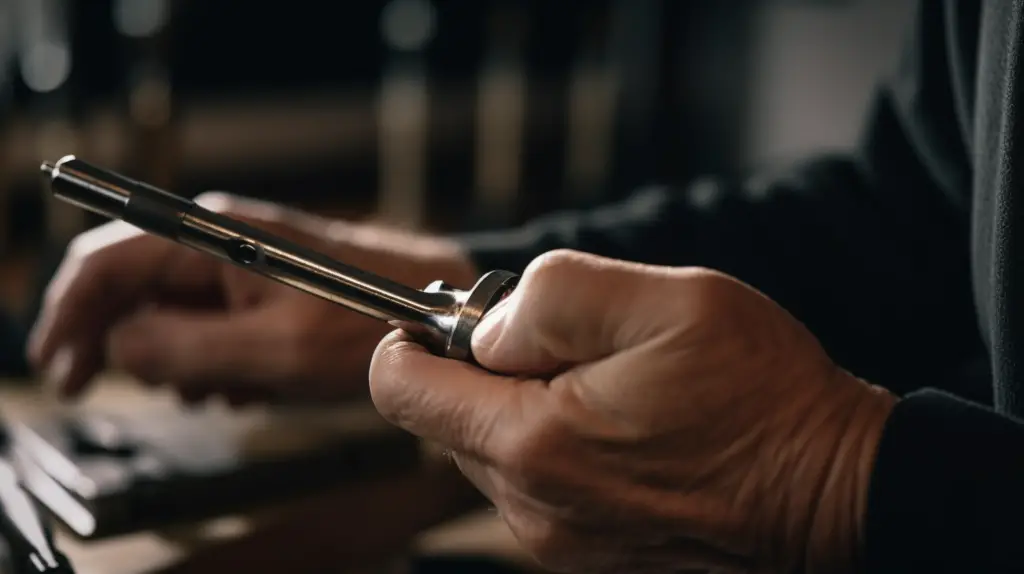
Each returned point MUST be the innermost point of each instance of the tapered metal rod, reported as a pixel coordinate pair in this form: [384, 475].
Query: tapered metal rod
[185, 221]
[442, 316]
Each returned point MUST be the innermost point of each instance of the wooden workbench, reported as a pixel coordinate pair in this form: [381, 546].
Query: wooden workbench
[369, 527]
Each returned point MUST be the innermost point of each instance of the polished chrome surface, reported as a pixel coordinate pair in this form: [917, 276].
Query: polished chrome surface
[313, 272]
[441, 317]
[74, 182]
[491, 288]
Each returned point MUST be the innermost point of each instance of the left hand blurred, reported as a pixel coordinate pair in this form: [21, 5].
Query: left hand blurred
[167, 314]
[649, 419]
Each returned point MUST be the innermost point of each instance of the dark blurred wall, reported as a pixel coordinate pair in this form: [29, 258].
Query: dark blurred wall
[588, 99]
[813, 72]
[507, 109]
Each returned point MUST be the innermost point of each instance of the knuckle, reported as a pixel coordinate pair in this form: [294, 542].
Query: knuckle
[255, 212]
[701, 277]
[554, 266]
[218, 201]
[547, 282]
[390, 397]
[712, 281]
[86, 243]
[710, 290]
[78, 246]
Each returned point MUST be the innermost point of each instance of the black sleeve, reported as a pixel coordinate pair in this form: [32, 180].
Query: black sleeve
[948, 490]
[870, 250]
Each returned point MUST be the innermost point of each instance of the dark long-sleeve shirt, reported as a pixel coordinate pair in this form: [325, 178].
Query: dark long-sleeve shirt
[906, 258]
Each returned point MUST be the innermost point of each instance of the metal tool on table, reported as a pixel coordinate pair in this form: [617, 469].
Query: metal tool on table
[441, 317]
[29, 544]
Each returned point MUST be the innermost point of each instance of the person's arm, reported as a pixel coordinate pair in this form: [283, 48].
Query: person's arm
[869, 250]
[947, 491]
[873, 253]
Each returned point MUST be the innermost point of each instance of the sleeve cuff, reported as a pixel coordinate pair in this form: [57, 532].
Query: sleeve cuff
[947, 492]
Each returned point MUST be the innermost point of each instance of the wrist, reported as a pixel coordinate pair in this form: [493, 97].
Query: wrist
[836, 538]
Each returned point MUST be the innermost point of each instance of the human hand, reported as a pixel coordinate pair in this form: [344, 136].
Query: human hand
[167, 314]
[649, 419]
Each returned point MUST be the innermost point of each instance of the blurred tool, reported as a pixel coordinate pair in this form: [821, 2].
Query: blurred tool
[442, 317]
[29, 544]
[109, 469]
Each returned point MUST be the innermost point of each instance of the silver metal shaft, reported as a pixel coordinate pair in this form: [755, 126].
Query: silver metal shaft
[440, 316]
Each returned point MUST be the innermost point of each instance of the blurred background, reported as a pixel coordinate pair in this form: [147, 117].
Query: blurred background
[436, 115]
[444, 115]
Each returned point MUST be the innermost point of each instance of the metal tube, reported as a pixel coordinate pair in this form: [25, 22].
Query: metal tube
[184, 221]
[310, 271]
[441, 317]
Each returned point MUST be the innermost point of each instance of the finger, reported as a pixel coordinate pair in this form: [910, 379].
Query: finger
[109, 270]
[288, 223]
[106, 273]
[193, 349]
[569, 308]
[76, 361]
[451, 402]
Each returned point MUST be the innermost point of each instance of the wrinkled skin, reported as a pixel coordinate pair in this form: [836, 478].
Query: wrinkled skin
[170, 315]
[649, 419]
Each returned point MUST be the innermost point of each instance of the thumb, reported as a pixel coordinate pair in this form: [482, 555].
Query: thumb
[569, 308]
[188, 348]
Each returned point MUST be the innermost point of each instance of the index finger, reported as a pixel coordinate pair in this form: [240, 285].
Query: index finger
[451, 402]
[107, 269]
[105, 273]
